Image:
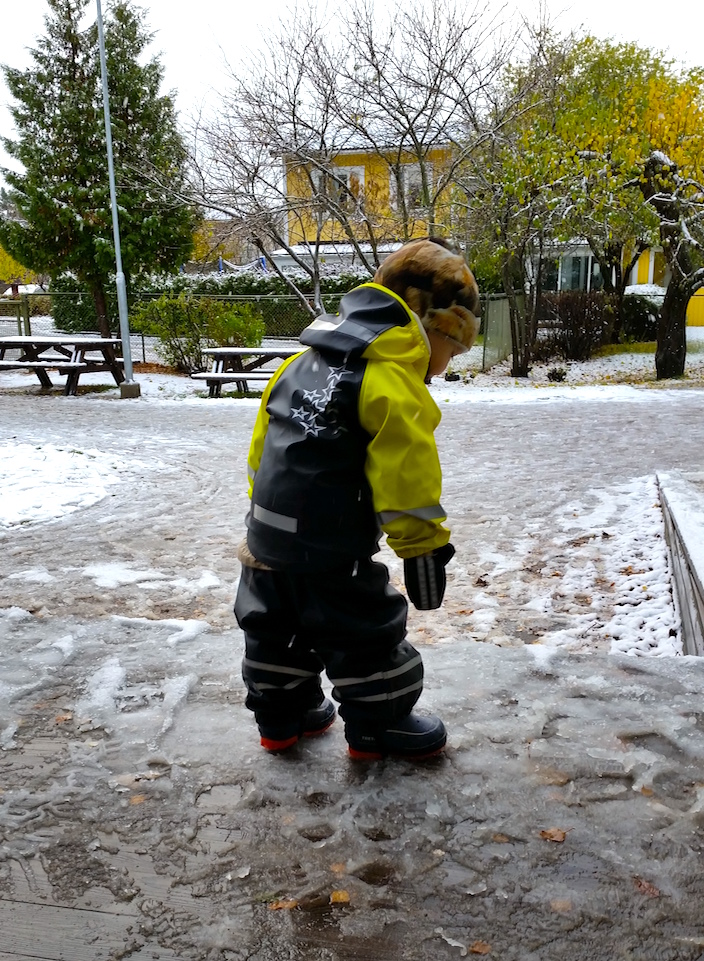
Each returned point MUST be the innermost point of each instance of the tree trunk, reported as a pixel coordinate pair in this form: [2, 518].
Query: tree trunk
[519, 342]
[671, 350]
[101, 309]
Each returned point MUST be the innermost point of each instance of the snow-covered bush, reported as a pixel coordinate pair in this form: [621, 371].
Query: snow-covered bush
[641, 313]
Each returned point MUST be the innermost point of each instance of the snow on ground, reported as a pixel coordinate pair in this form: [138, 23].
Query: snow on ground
[623, 370]
[569, 807]
[625, 571]
[43, 482]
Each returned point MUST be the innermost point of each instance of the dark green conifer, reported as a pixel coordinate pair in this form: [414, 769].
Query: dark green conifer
[62, 193]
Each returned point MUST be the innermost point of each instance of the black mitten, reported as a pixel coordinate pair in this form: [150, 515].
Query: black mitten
[425, 577]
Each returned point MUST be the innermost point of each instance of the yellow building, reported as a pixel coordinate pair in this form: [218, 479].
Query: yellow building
[576, 268]
[218, 241]
[397, 194]
[652, 269]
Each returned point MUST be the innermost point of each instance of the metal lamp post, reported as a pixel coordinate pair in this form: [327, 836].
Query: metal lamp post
[129, 388]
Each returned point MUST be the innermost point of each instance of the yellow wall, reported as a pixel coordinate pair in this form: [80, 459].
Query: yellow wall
[643, 268]
[377, 199]
[695, 310]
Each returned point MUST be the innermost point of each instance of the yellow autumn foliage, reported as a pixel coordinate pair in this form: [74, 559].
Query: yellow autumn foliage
[12, 272]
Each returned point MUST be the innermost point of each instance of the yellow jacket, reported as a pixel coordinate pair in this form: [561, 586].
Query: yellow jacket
[352, 441]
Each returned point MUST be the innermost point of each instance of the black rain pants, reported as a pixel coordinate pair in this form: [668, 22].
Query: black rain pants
[348, 621]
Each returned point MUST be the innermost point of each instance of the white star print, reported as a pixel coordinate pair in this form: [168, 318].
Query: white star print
[314, 397]
[308, 420]
[311, 420]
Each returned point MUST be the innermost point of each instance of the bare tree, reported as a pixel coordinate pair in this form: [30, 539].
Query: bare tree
[679, 204]
[410, 97]
[512, 193]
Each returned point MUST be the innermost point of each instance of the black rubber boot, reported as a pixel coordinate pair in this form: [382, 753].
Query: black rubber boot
[279, 737]
[411, 737]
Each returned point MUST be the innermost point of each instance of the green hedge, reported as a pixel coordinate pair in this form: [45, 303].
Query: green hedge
[281, 311]
[640, 319]
[73, 310]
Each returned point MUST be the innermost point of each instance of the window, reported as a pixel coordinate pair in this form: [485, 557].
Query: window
[574, 273]
[339, 187]
[551, 273]
[410, 179]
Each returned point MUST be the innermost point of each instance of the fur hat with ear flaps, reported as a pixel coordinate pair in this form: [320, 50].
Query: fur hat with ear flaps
[437, 285]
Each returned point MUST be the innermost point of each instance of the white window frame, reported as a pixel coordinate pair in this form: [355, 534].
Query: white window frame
[348, 172]
[408, 169]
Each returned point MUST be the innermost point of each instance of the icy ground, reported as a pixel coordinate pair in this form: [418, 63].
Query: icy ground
[140, 819]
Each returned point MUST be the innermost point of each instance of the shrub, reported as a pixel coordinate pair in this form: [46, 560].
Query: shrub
[281, 311]
[580, 321]
[557, 374]
[187, 325]
[640, 318]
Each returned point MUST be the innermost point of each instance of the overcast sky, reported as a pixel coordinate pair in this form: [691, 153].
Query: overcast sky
[195, 39]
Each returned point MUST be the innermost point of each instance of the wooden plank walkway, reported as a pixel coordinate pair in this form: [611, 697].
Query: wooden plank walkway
[682, 499]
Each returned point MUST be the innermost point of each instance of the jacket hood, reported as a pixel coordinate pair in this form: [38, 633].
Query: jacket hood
[374, 323]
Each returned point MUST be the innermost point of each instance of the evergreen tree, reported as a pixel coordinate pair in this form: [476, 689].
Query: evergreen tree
[62, 195]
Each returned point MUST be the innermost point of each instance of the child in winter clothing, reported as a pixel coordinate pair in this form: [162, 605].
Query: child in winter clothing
[342, 450]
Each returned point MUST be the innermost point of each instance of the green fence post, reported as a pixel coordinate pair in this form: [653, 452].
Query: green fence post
[24, 307]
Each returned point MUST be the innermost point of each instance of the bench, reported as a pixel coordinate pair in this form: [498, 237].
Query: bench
[215, 379]
[41, 364]
[237, 365]
[69, 355]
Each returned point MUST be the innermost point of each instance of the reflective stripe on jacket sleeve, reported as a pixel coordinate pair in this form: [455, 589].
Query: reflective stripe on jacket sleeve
[403, 468]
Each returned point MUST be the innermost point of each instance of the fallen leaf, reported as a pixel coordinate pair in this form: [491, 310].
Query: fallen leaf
[561, 905]
[647, 791]
[138, 799]
[62, 718]
[556, 574]
[466, 610]
[479, 947]
[338, 868]
[554, 834]
[645, 887]
[314, 902]
[287, 904]
[339, 897]
[551, 776]
[501, 838]
[581, 541]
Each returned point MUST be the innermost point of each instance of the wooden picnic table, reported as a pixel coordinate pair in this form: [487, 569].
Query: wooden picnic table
[66, 354]
[240, 365]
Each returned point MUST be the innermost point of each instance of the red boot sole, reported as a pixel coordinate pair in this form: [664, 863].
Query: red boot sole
[271, 745]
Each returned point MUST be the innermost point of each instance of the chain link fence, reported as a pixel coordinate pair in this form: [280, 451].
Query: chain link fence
[32, 314]
[65, 313]
[284, 317]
